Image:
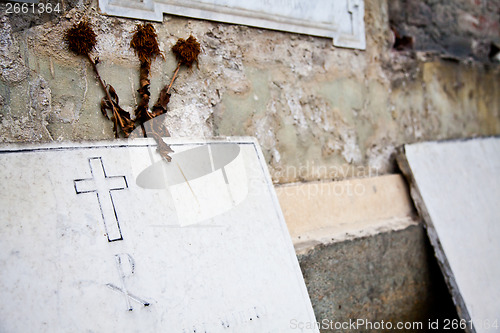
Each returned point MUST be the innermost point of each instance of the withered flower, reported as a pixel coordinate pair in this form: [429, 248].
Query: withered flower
[81, 38]
[145, 42]
[186, 51]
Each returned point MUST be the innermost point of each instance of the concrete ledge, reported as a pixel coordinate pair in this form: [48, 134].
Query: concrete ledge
[326, 212]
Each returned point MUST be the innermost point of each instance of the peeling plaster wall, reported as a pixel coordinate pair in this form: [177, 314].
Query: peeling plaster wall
[319, 112]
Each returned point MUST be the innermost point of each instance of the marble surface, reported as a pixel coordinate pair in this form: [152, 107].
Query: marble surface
[456, 187]
[341, 20]
[105, 236]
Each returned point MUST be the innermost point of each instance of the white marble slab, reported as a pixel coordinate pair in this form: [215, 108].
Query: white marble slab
[456, 186]
[342, 20]
[106, 237]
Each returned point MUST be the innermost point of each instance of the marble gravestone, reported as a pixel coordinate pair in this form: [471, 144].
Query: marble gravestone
[342, 20]
[456, 188]
[107, 237]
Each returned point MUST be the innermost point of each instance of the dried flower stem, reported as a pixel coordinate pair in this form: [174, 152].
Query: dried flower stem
[144, 83]
[145, 43]
[141, 112]
[164, 97]
[108, 96]
[174, 76]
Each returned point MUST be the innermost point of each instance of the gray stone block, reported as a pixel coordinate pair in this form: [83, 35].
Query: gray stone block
[391, 276]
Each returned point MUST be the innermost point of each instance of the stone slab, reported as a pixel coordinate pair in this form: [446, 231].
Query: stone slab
[341, 20]
[108, 237]
[325, 212]
[456, 188]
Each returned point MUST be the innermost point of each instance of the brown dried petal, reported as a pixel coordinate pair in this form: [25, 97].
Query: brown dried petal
[163, 149]
[80, 38]
[186, 51]
[121, 118]
[104, 107]
[128, 124]
[161, 105]
[113, 94]
[145, 42]
[155, 128]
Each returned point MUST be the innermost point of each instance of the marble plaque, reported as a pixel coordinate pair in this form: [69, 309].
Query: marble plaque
[456, 188]
[107, 237]
[342, 20]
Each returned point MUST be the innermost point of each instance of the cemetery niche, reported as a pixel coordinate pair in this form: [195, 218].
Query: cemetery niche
[110, 237]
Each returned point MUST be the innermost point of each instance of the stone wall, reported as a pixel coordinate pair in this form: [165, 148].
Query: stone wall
[319, 112]
[459, 29]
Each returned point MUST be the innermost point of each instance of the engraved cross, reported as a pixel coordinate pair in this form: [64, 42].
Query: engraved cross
[103, 185]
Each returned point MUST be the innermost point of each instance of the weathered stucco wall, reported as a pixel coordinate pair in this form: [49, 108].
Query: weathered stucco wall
[318, 111]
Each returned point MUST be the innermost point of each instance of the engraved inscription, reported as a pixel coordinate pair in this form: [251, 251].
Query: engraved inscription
[103, 185]
[125, 260]
[230, 320]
